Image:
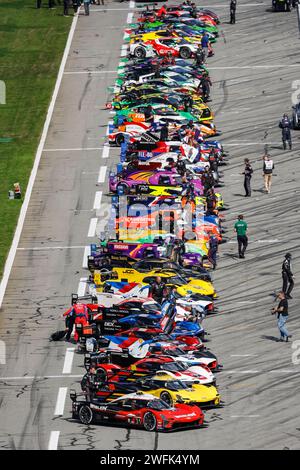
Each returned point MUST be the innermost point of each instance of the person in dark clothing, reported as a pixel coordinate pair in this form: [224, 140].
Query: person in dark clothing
[164, 133]
[157, 290]
[180, 166]
[199, 56]
[66, 7]
[69, 322]
[232, 11]
[211, 202]
[204, 85]
[247, 177]
[213, 250]
[287, 276]
[38, 3]
[148, 113]
[285, 126]
[188, 103]
[282, 316]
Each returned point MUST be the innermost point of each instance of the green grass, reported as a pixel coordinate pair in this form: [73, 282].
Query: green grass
[31, 47]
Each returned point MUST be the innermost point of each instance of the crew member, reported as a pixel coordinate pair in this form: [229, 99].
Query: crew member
[232, 11]
[282, 316]
[205, 84]
[241, 228]
[77, 314]
[205, 44]
[285, 126]
[267, 172]
[164, 133]
[287, 276]
[213, 250]
[199, 56]
[157, 290]
[247, 177]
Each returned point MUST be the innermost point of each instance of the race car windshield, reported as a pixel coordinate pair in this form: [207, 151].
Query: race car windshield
[173, 367]
[158, 405]
[176, 280]
[176, 385]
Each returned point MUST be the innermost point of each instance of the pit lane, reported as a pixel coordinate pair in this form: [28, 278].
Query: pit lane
[252, 72]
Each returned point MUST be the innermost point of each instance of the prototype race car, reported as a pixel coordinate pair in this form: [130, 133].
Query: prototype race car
[139, 410]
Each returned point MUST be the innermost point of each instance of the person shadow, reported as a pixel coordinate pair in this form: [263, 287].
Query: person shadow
[270, 338]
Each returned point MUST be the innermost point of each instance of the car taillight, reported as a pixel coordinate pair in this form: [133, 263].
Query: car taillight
[213, 365]
[108, 105]
[210, 307]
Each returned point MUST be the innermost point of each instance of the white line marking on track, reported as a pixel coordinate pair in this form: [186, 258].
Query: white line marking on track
[67, 368]
[244, 416]
[87, 252]
[54, 436]
[23, 211]
[81, 287]
[97, 201]
[92, 227]
[78, 149]
[41, 377]
[110, 123]
[243, 355]
[129, 18]
[102, 174]
[105, 152]
[60, 402]
[241, 371]
[253, 67]
[41, 248]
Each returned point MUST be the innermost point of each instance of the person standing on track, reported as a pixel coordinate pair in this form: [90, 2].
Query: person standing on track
[86, 4]
[285, 125]
[267, 172]
[241, 228]
[282, 316]
[287, 276]
[204, 45]
[213, 250]
[247, 177]
[232, 11]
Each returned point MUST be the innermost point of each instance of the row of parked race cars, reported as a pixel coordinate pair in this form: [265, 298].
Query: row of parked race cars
[140, 326]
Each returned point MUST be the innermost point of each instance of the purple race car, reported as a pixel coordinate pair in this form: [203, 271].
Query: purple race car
[136, 181]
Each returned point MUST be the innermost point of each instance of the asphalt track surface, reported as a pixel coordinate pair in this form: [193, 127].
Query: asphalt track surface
[253, 69]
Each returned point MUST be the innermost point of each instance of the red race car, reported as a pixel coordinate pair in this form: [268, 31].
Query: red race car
[139, 410]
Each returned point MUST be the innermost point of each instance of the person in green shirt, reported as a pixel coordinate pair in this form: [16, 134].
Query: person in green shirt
[240, 228]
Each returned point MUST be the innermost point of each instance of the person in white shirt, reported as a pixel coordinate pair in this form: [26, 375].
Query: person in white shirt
[267, 172]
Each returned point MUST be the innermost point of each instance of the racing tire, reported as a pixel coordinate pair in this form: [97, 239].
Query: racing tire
[149, 421]
[85, 415]
[185, 53]
[140, 52]
[125, 188]
[166, 397]
[119, 140]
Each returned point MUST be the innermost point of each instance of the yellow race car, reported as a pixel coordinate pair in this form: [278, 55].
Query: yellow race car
[160, 34]
[185, 286]
[176, 391]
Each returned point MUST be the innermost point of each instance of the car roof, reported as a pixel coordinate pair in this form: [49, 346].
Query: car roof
[139, 396]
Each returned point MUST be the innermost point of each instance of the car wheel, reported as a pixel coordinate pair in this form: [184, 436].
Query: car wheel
[85, 415]
[122, 188]
[140, 52]
[185, 53]
[166, 397]
[119, 139]
[149, 421]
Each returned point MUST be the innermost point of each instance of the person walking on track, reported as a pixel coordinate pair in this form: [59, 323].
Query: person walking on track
[241, 228]
[267, 172]
[247, 177]
[287, 276]
[282, 316]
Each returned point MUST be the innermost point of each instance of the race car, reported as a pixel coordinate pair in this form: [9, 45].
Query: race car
[131, 182]
[162, 47]
[120, 277]
[139, 409]
[176, 391]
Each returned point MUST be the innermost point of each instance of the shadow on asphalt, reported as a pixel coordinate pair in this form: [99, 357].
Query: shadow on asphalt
[270, 338]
